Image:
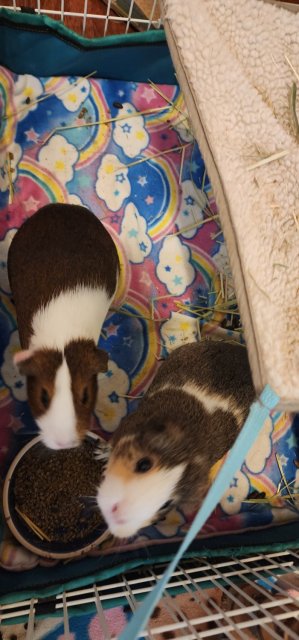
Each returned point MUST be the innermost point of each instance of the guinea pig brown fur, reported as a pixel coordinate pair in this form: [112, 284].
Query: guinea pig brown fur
[162, 454]
[63, 269]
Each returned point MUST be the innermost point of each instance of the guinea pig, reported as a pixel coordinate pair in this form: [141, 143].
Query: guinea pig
[63, 270]
[162, 454]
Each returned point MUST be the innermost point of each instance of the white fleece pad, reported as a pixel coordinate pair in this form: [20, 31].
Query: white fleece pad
[233, 61]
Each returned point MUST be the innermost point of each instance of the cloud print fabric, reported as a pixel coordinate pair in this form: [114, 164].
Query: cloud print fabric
[153, 211]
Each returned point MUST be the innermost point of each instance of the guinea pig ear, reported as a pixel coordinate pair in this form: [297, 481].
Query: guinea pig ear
[25, 362]
[98, 361]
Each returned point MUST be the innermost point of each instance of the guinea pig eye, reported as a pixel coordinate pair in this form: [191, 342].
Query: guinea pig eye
[143, 465]
[44, 398]
[85, 396]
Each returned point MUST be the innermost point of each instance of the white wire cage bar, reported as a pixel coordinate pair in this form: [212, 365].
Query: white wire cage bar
[231, 598]
[127, 14]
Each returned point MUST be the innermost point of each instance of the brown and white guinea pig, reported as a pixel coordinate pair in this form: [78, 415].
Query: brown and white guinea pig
[63, 269]
[162, 454]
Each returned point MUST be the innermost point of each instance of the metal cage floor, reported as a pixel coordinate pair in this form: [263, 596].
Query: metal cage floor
[232, 598]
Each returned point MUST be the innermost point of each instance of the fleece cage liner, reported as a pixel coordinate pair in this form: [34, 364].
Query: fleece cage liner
[24, 40]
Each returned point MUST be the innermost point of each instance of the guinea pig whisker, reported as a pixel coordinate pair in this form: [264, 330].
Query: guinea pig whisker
[89, 499]
[24, 432]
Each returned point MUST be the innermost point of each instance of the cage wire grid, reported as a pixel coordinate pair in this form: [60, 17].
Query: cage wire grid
[251, 608]
[106, 12]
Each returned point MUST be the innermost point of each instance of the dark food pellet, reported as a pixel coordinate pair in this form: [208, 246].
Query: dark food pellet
[118, 105]
[55, 489]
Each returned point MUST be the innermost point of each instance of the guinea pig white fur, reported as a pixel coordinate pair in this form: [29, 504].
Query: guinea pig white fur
[163, 453]
[63, 269]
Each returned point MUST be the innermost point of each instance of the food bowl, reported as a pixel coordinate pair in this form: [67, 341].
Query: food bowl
[29, 533]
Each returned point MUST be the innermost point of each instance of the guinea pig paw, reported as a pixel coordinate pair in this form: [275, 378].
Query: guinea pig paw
[102, 452]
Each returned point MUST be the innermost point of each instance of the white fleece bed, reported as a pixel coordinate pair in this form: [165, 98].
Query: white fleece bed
[236, 63]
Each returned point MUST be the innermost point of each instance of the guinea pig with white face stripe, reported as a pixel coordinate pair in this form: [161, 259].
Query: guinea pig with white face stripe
[63, 270]
[163, 453]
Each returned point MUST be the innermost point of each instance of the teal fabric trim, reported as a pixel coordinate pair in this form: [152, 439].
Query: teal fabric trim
[42, 21]
[258, 413]
[44, 47]
[279, 538]
[275, 539]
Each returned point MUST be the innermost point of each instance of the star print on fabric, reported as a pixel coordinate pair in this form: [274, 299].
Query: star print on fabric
[31, 135]
[112, 329]
[3, 172]
[167, 268]
[109, 373]
[134, 86]
[31, 204]
[142, 181]
[142, 246]
[116, 192]
[114, 219]
[177, 280]
[148, 94]
[185, 212]
[145, 279]
[113, 397]
[283, 460]
[149, 200]
[133, 233]
[127, 341]
[230, 499]
[120, 93]
[126, 128]
[72, 79]
[83, 89]
[171, 339]
[234, 483]
[19, 384]
[189, 200]
[164, 136]
[120, 178]
[194, 166]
